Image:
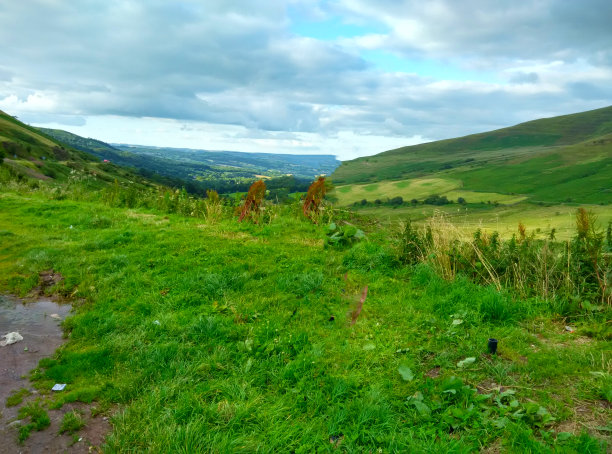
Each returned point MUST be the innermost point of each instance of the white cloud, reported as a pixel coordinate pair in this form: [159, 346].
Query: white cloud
[236, 71]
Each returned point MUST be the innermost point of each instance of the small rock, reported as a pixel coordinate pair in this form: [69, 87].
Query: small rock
[14, 423]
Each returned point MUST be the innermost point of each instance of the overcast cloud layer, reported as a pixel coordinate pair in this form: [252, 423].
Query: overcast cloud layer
[347, 77]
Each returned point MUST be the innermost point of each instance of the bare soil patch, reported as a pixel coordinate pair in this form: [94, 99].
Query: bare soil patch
[39, 323]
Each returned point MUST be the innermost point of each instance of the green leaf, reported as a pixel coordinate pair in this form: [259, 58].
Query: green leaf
[359, 234]
[466, 362]
[422, 408]
[562, 436]
[406, 373]
[501, 422]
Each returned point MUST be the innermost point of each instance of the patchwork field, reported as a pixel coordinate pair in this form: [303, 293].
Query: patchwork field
[503, 219]
[419, 189]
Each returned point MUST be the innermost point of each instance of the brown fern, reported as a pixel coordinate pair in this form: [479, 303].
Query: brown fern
[253, 201]
[314, 198]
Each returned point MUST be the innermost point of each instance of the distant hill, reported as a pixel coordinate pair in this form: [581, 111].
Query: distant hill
[566, 158]
[215, 168]
[27, 153]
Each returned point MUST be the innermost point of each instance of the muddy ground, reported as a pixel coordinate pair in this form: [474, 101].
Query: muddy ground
[39, 322]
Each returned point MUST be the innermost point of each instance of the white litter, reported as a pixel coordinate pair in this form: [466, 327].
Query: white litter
[156, 322]
[58, 387]
[55, 316]
[11, 338]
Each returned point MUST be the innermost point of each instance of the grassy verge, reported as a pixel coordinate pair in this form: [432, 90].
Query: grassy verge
[235, 337]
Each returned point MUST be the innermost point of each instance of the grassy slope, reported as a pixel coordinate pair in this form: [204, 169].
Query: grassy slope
[234, 366]
[549, 159]
[32, 155]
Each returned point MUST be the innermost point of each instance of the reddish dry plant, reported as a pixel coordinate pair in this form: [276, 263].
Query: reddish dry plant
[253, 200]
[314, 198]
[359, 305]
[522, 231]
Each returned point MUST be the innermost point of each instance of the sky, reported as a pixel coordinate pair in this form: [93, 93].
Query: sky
[343, 77]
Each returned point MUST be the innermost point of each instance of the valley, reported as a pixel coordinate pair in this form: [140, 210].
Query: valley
[350, 326]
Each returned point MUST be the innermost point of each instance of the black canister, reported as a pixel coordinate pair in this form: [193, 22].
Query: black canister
[492, 346]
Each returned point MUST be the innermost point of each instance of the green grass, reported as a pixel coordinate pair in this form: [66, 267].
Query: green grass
[71, 422]
[17, 397]
[38, 419]
[235, 337]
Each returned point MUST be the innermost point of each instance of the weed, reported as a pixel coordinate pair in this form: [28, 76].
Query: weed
[71, 422]
[39, 419]
[17, 397]
[342, 236]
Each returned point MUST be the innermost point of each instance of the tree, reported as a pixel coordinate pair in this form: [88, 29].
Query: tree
[397, 200]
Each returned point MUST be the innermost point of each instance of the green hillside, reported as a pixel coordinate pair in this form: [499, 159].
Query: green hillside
[28, 154]
[553, 160]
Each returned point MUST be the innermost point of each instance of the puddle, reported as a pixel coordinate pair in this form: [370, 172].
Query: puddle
[42, 335]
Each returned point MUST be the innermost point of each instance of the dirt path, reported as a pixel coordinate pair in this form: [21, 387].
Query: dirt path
[39, 324]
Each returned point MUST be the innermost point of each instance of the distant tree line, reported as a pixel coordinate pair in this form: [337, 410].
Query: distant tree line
[278, 187]
[399, 201]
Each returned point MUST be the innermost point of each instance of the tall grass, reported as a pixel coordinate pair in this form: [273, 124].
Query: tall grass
[579, 270]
